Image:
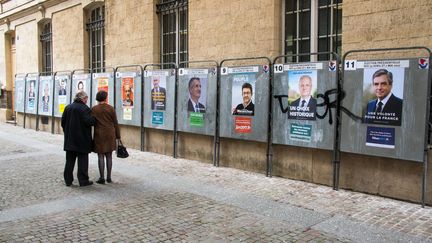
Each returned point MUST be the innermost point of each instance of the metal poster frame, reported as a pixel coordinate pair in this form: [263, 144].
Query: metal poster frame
[70, 88]
[334, 104]
[269, 63]
[23, 75]
[25, 97]
[81, 71]
[141, 70]
[427, 112]
[52, 105]
[160, 65]
[94, 71]
[215, 136]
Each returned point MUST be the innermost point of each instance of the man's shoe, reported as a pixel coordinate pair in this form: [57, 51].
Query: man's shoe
[69, 184]
[109, 180]
[100, 181]
[89, 183]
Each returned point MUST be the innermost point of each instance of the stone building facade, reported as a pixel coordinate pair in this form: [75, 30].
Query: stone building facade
[134, 33]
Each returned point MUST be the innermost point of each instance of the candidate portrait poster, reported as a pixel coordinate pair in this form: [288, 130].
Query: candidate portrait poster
[127, 94]
[302, 94]
[196, 91]
[383, 95]
[243, 94]
[102, 84]
[158, 92]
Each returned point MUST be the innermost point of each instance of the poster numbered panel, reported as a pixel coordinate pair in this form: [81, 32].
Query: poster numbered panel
[45, 95]
[62, 89]
[390, 97]
[196, 103]
[31, 101]
[159, 93]
[128, 98]
[19, 101]
[103, 81]
[81, 82]
[244, 97]
[296, 87]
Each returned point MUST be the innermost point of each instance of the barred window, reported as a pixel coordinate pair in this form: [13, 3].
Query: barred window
[46, 42]
[96, 30]
[173, 16]
[313, 26]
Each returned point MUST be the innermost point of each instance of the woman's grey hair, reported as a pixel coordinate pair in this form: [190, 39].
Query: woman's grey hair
[80, 96]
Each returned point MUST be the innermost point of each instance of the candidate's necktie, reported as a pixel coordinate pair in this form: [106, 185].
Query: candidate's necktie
[303, 103]
[196, 108]
[379, 107]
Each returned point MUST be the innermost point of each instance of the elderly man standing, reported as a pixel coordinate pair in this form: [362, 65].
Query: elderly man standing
[76, 123]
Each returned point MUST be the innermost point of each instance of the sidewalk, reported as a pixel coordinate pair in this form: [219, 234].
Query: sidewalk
[158, 198]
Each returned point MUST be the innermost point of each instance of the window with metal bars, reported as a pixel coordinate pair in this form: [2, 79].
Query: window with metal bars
[173, 15]
[96, 31]
[313, 26]
[46, 42]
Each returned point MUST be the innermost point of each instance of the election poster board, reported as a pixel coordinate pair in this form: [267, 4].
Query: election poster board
[19, 101]
[128, 97]
[105, 82]
[31, 101]
[45, 95]
[300, 114]
[81, 82]
[61, 93]
[389, 98]
[244, 102]
[159, 93]
[196, 105]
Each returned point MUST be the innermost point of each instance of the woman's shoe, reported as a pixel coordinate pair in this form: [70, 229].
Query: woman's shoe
[100, 181]
[109, 180]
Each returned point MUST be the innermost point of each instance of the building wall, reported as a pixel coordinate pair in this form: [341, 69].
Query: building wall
[68, 39]
[27, 47]
[244, 28]
[233, 28]
[132, 32]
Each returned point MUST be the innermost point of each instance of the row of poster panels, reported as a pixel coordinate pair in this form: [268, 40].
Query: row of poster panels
[396, 129]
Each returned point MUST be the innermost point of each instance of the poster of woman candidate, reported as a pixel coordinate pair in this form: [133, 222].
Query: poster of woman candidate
[302, 93]
[31, 96]
[383, 95]
[243, 99]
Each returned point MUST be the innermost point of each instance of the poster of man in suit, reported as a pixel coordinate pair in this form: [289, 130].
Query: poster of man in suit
[158, 93]
[302, 94]
[383, 95]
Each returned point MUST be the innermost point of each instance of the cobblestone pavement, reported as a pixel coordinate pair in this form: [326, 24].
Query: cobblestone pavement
[156, 198]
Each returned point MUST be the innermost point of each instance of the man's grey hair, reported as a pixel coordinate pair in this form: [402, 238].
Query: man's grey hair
[80, 96]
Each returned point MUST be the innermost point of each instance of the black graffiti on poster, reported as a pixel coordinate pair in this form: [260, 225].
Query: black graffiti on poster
[323, 100]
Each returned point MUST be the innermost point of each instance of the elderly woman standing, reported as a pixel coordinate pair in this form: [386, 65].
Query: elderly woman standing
[106, 132]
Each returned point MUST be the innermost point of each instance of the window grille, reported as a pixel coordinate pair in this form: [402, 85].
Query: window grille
[46, 41]
[313, 26]
[96, 29]
[174, 30]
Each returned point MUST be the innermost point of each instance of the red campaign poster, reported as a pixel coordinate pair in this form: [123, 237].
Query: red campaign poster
[243, 124]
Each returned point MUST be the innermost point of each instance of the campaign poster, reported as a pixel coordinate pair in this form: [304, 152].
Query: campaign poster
[383, 95]
[158, 92]
[197, 87]
[45, 95]
[62, 93]
[127, 95]
[302, 92]
[81, 85]
[243, 99]
[102, 84]
[31, 97]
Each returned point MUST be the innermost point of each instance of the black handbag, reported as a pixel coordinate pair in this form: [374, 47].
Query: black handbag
[121, 150]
